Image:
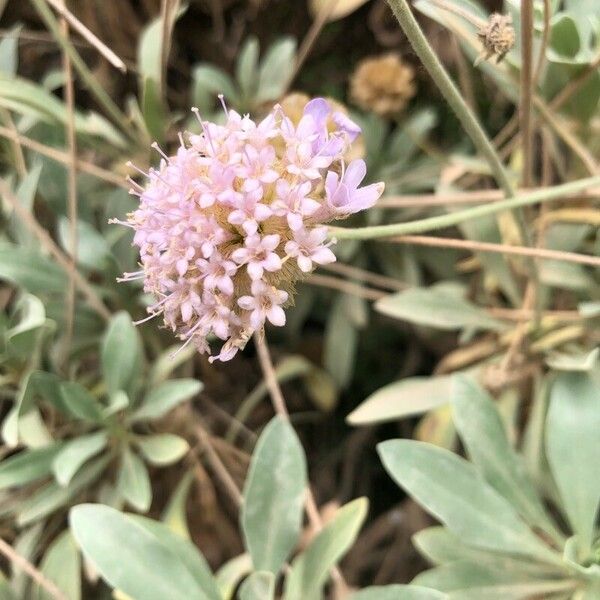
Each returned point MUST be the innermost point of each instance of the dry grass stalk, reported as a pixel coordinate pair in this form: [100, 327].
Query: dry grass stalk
[69, 93]
[50, 246]
[77, 25]
[545, 253]
[24, 565]
[64, 158]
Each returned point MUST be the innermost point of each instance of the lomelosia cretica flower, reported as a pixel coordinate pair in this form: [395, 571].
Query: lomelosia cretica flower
[234, 218]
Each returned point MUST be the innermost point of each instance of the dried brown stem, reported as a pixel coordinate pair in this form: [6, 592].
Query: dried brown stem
[49, 244]
[311, 37]
[526, 94]
[361, 275]
[79, 27]
[69, 94]
[441, 242]
[217, 466]
[541, 61]
[24, 565]
[63, 157]
[20, 164]
[345, 286]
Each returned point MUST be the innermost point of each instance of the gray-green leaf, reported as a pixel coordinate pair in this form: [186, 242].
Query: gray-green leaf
[398, 592]
[27, 465]
[75, 454]
[273, 496]
[134, 481]
[310, 570]
[481, 430]
[453, 491]
[131, 557]
[165, 397]
[437, 306]
[162, 448]
[260, 585]
[404, 398]
[62, 565]
[572, 439]
[120, 353]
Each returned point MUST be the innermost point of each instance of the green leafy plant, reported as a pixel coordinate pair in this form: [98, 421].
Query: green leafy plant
[256, 83]
[504, 533]
[163, 563]
[107, 427]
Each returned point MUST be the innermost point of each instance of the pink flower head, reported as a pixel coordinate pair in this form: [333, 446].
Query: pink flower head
[227, 224]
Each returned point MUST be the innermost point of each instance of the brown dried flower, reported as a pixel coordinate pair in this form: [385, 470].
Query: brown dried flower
[383, 84]
[497, 37]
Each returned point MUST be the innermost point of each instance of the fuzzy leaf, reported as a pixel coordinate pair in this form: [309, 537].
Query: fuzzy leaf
[452, 490]
[572, 427]
[273, 496]
[404, 398]
[311, 568]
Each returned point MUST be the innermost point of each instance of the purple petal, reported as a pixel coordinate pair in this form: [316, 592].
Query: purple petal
[355, 173]
[347, 125]
[318, 109]
[366, 197]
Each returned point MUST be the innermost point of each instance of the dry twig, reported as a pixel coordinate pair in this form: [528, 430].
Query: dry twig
[22, 563]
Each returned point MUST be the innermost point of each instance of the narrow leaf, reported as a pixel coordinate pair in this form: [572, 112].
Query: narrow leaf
[62, 565]
[480, 428]
[132, 558]
[260, 585]
[438, 307]
[165, 397]
[162, 448]
[398, 592]
[572, 438]
[273, 496]
[134, 482]
[120, 353]
[450, 489]
[27, 466]
[404, 398]
[75, 454]
[310, 570]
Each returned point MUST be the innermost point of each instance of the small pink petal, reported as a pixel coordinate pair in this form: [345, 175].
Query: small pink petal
[255, 270]
[276, 315]
[304, 263]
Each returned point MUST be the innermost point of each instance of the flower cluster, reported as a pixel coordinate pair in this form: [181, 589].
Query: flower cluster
[229, 223]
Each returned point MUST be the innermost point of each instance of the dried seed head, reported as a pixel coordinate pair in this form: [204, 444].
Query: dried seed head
[383, 85]
[497, 37]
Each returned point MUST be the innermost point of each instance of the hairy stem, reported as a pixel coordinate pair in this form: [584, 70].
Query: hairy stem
[452, 95]
[432, 223]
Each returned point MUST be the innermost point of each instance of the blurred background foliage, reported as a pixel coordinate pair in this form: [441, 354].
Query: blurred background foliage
[94, 409]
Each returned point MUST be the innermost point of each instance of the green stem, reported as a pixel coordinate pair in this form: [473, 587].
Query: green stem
[86, 75]
[431, 223]
[446, 86]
